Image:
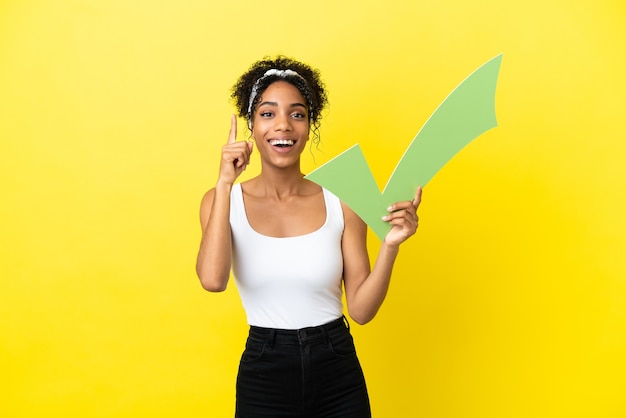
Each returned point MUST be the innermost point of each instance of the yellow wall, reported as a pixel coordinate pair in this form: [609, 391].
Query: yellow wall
[510, 302]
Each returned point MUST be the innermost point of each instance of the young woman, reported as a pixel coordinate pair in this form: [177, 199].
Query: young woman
[291, 245]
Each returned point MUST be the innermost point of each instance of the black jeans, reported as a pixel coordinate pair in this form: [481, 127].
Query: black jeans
[312, 372]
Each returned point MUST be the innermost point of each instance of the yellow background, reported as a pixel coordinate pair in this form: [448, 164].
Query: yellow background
[510, 301]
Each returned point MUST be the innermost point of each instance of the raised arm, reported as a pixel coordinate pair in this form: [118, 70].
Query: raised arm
[365, 289]
[215, 254]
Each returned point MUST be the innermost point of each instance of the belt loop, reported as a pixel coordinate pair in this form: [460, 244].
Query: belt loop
[345, 321]
[270, 338]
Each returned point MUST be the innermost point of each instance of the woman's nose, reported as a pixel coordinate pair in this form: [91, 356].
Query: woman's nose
[282, 123]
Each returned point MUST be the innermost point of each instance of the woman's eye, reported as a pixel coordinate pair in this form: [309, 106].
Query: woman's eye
[299, 115]
[266, 114]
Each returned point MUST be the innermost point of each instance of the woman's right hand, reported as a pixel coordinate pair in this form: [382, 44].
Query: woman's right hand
[235, 155]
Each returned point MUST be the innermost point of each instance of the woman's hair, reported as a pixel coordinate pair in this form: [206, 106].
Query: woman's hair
[249, 87]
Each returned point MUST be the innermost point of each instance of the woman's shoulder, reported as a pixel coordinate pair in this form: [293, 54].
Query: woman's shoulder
[249, 187]
[310, 188]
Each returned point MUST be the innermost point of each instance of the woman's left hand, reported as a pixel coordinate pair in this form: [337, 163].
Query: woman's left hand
[403, 219]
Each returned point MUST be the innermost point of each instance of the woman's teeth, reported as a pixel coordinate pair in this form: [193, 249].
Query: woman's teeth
[281, 142]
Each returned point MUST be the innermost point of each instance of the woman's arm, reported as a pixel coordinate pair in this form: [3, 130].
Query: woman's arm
[215, 254]
[365, 289]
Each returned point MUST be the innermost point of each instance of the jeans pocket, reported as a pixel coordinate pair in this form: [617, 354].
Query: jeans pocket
[342, 344]
[254, 351]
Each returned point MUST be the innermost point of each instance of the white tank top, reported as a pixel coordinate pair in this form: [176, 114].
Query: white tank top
[292, 282]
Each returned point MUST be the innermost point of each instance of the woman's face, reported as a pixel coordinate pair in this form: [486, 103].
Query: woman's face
[280, 124]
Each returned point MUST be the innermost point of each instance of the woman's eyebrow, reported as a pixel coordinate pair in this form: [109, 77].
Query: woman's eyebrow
[297, 104]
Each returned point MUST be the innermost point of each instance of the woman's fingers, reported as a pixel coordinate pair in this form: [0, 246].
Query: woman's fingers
[404, 213]
[418, 197]
[414, 204]
[237, 153]
[403, 218]
[232, 135]
[401, 209]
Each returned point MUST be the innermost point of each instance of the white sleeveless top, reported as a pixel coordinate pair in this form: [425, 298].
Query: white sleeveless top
[292, 282]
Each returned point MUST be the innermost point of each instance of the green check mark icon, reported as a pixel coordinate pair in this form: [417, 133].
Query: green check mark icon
[467, 112]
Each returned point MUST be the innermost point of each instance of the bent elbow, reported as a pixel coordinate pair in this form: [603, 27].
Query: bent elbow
[213, 286]
[212, 282]
[360, 319]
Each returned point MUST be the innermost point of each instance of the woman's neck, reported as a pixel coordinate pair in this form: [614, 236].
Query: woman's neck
[280, 183]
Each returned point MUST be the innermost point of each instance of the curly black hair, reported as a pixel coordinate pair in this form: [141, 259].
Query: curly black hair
[307, 81]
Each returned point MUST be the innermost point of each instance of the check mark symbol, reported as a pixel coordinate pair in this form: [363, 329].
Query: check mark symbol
[467, 112]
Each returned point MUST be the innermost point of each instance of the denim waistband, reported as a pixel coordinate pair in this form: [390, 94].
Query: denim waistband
[300, 336]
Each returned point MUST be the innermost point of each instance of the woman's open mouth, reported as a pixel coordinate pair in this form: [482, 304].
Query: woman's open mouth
[282, 143]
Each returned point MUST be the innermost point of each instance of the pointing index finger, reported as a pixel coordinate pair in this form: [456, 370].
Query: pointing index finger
[232, 135]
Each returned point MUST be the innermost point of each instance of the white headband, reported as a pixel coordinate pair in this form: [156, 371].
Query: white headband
[270, 72]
